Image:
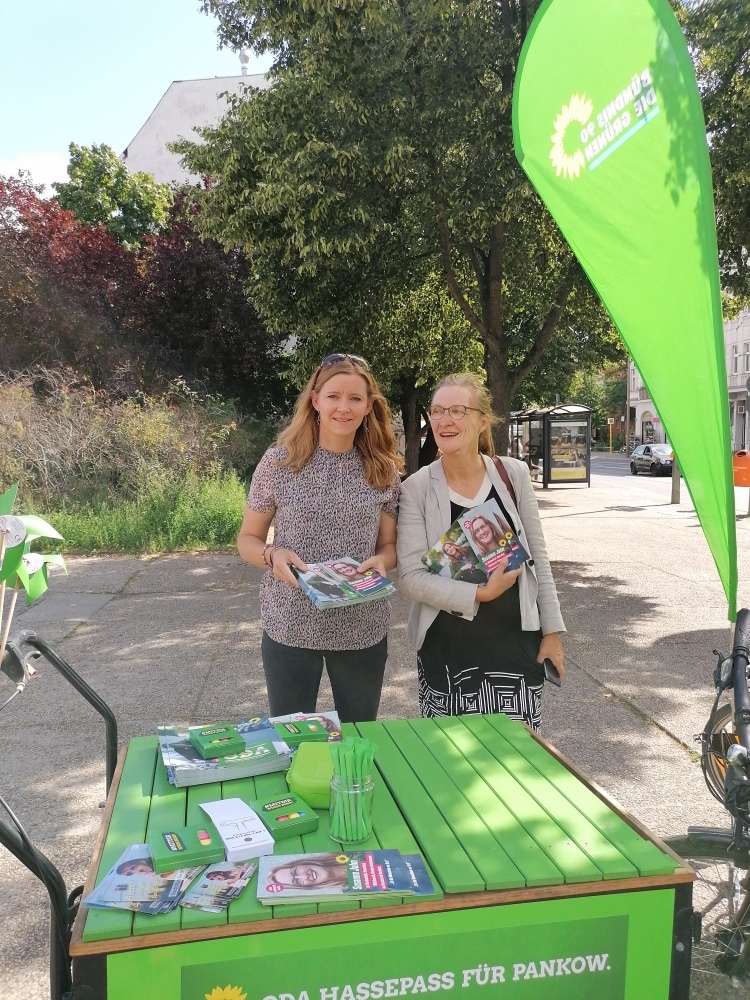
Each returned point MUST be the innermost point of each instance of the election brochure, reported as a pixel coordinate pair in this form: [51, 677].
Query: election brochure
[218, 886]
[132, 884]
[492, 538]
[338, 583]
[294, 878]
[453, 557]
[264, 752]
[240, 828]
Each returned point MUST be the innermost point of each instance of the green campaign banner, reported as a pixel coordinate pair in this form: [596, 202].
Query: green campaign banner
[611, 946]
[609, 127]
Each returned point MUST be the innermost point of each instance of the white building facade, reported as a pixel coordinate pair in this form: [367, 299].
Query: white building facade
[186, 105]
[647, 427]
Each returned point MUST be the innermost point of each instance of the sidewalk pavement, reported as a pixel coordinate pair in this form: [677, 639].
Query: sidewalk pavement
[177, 638]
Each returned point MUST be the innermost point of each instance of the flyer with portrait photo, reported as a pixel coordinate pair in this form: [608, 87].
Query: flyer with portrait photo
[339, 583]
[453, 557]
[218, 886]
[294, 878]
[132, 884]
[492, 538]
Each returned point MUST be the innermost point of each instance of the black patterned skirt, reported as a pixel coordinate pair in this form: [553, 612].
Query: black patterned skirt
[484, 666]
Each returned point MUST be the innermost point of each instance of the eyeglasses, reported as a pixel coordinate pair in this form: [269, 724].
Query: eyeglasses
[456, 412]
[333, 359]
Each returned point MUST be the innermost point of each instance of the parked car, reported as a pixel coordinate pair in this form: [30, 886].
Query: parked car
[653, 458]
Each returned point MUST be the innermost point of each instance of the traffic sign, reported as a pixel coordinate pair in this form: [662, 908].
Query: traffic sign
[610, 420]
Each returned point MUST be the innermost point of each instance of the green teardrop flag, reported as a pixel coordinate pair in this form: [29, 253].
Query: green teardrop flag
[608, 125]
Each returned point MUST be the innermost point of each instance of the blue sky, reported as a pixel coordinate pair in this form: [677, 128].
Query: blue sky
[91, 71]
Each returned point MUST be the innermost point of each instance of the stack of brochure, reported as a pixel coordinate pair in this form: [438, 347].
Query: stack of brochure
[338, 583]
[218, 886]
[302, 878]
[475, 545]
[265, 752]
[132, 884]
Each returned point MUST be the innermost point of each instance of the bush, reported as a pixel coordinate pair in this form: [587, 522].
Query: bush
[189, 514]
[68, 444]
[143, 474]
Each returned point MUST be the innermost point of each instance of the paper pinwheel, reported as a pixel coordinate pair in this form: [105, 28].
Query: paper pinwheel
[19, 566]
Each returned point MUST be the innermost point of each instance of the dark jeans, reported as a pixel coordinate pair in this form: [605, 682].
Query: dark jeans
[293, 678]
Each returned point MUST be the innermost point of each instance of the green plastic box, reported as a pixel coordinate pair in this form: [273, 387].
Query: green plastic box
[219, 740]
[185, 846]
[310, 774]
[286, 816]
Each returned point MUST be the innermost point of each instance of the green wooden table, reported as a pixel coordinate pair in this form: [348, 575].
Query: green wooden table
[544, 887]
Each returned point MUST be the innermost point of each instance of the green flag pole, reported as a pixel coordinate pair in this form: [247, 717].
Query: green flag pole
[608, 125]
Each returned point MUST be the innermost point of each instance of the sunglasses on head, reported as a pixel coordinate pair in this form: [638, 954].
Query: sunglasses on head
[333, 359]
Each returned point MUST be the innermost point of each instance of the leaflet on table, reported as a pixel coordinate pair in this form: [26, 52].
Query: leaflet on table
[453, 557]
[338, 583]
[265, 752]
[240, 828]
[492, 538]
[294, 878]
[132, 884]
[218, 886]
[329, 720]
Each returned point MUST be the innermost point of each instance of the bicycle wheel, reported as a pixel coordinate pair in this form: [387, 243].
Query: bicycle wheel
[717, 895]
[717, 741]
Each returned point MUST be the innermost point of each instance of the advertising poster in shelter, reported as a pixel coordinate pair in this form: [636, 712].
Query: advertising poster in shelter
[568, 450]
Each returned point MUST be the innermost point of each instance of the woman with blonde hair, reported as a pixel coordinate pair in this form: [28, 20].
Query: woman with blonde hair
[330, 485]
[480, 648]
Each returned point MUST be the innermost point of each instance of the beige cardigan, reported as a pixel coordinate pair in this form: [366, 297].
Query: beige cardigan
[425, 515]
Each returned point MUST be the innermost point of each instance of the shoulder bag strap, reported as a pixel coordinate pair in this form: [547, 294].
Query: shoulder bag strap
[499, 465]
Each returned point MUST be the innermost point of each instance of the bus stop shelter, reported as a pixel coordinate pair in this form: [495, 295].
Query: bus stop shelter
[554, 441]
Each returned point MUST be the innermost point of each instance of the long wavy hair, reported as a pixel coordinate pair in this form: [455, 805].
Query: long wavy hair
[482, 401]
[497, 538]
[374, 439]
[337, 871]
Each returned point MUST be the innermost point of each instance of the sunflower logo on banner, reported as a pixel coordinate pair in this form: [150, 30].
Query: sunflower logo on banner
[227, 993]
[576, 112]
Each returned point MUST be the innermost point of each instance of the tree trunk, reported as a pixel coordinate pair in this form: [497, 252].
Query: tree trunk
[428, 451]
[412, 429]
[501, 387]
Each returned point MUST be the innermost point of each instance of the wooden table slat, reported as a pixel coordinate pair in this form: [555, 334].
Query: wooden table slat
[127, 826]
[567, 856]
[494, 865]
[446, 856]
[392, 830]
[536, 867]
[167, 811]
[196, 794]
[247, 907]
[605, 855]
[646, 857]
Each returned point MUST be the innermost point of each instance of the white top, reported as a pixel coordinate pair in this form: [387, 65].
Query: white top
[482, 493]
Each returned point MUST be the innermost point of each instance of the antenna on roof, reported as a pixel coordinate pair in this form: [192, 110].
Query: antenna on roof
[244, 60]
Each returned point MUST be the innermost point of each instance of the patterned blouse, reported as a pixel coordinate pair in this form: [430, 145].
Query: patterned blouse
[326, 511]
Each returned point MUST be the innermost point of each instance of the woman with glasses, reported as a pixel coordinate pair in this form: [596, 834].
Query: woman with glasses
[330, 485]
[480, 648]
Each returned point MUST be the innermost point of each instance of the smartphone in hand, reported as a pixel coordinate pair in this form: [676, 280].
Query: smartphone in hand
[550, 672]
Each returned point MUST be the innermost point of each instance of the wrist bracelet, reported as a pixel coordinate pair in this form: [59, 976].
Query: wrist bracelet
[270, 556]
[266, 547]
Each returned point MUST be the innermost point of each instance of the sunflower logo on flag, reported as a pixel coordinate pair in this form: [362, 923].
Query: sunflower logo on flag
[228, 993]
[569, 164]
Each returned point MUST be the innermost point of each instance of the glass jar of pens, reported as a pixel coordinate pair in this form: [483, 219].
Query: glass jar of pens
[350, 817]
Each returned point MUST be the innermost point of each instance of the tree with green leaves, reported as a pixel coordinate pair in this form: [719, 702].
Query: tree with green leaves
[383, 147]
[718, 32]
[100, 190]
[416, 336]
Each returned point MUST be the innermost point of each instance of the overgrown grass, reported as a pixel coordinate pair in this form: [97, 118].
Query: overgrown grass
[182, 514]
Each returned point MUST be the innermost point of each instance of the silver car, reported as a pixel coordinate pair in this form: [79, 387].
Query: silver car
[653, 458]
